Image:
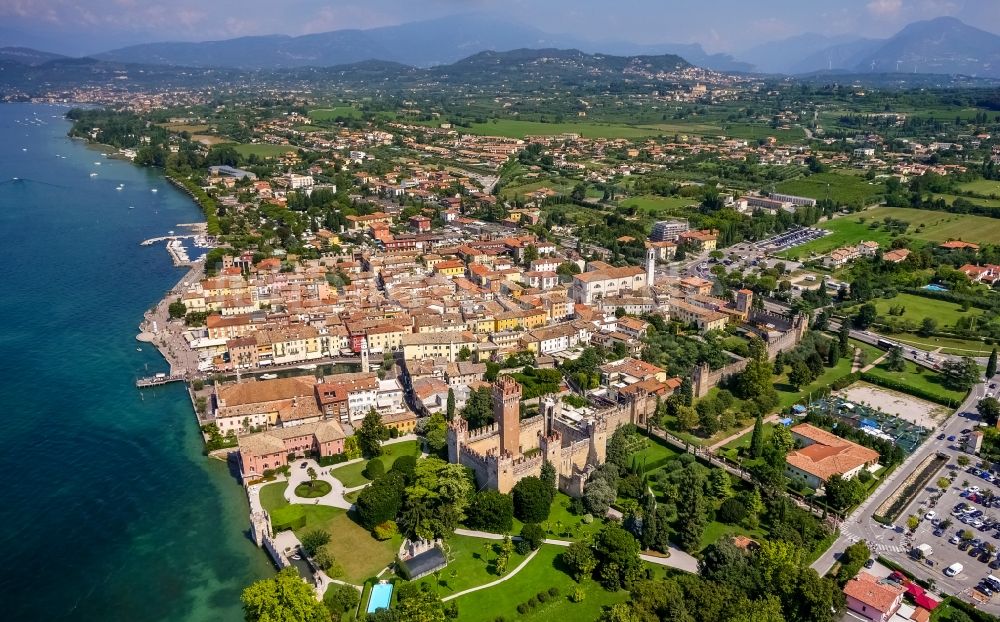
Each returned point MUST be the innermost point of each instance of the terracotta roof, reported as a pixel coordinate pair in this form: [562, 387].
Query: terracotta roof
[868, 590]
[829, 454]
[259, 391]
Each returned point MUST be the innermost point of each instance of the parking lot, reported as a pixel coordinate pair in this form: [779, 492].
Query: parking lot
[961, 526]
[790, 238]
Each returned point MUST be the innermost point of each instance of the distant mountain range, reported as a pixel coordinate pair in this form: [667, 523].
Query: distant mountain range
[943, 45]
[549, 68]
[938, 46]
[419, 44]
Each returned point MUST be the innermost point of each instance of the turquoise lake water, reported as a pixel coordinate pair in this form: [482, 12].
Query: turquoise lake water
[108, 510]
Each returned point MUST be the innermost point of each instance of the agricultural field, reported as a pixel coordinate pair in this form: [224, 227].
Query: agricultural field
[750, 131]
[523, 190]
[329, 114]
[950, 198]
[656, 207]
[263, 150]
[841, 187]
[519, 129]
[926, 225]
[984, 187]
[184, 127]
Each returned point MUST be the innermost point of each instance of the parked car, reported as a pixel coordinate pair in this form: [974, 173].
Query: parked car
[953, 569]
[941, 436]
[955, 539]
[938, 532]
[869, 563]
[930, 515]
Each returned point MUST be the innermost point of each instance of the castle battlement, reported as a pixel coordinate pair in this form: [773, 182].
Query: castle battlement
[483, 432]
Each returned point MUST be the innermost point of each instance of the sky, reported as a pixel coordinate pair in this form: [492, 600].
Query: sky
[78, 27]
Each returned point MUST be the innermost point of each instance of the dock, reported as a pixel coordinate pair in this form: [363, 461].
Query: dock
[155, 381]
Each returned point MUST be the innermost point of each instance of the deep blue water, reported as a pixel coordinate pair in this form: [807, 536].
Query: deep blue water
[108, 511]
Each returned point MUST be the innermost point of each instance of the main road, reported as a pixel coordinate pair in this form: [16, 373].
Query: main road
[860, 525]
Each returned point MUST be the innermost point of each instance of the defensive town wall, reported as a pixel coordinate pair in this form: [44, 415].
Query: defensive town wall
[704, 379]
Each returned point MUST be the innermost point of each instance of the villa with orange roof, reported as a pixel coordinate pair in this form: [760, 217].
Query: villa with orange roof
[822, 454]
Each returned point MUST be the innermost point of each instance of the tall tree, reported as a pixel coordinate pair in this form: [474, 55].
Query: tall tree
[691, 508]
[370, 434]
[895, 361]
[282, 598]
[991, 365]
[844, 338]
[450, 412]
[757, 438]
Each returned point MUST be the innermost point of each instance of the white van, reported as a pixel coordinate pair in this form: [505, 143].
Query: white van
[953, 569]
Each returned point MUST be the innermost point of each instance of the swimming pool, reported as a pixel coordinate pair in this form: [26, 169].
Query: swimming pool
[934, 287]
[380, 597]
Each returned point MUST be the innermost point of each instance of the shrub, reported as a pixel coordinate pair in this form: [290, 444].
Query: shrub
[374, 469]
[324, 559]
[587, 519]
[340, 599]
[385, 530]
[732, 511]
[578, 595]
[451, 609]
[533, 534]
[553, 591]
[405, 465]
[543, 597]
[532, 602]
[522, 547]
[313, 540]
[522, 609]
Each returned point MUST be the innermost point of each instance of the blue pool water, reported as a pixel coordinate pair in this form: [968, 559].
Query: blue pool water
[380, 597]
[935, 288]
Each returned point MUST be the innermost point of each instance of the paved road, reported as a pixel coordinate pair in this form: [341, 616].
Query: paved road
[860, 525]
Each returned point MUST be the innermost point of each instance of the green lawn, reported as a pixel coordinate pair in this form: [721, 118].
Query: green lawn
[918, 307]
[328, 114]
[925, 225]
[950, 198]
[949, 345]
[656, 207]
[312, 490]
[523, 190]
[920, 378]
[732, 448]
[715, 531]
[352, 475]
[842, 188]
[359, 555]
[563, 524]
[654, 455]
[472, 564]
[787, 395]
[753, 131]
[984, 187]
[540, 574]
[263, 150]
[871, 352]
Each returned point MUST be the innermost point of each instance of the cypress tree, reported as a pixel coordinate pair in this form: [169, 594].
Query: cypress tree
[991, 365]
[757, 438]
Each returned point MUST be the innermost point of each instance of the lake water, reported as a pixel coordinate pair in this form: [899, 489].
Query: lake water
[108, 510]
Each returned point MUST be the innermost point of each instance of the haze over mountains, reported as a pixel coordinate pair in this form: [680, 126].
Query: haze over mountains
[940, 46]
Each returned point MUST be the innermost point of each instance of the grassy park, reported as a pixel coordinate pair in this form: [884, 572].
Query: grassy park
[658, 207]
[985, 187]
[918, 307]
[541, 573]
[471, 564]
[352, 475]
[788, 395]
[920, 378]
[329, 114]
[355, 550]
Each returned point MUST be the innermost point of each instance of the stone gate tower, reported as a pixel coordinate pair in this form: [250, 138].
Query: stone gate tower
[507, 414]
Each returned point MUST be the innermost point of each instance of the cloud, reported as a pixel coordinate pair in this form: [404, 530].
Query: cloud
[885, 8]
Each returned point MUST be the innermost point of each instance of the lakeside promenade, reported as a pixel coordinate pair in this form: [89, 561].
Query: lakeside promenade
[168, 336]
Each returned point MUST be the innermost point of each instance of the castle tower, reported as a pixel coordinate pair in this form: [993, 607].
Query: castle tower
[650, 266]
[744, 301]
[365, 365]
[507, 414]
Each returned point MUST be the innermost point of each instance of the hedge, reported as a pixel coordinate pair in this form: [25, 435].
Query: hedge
[891, 565]
[969, 610]
[845, 381]
[281, 522]
[902, 387]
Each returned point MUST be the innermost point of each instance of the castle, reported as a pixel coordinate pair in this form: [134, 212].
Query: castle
[573, 440]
